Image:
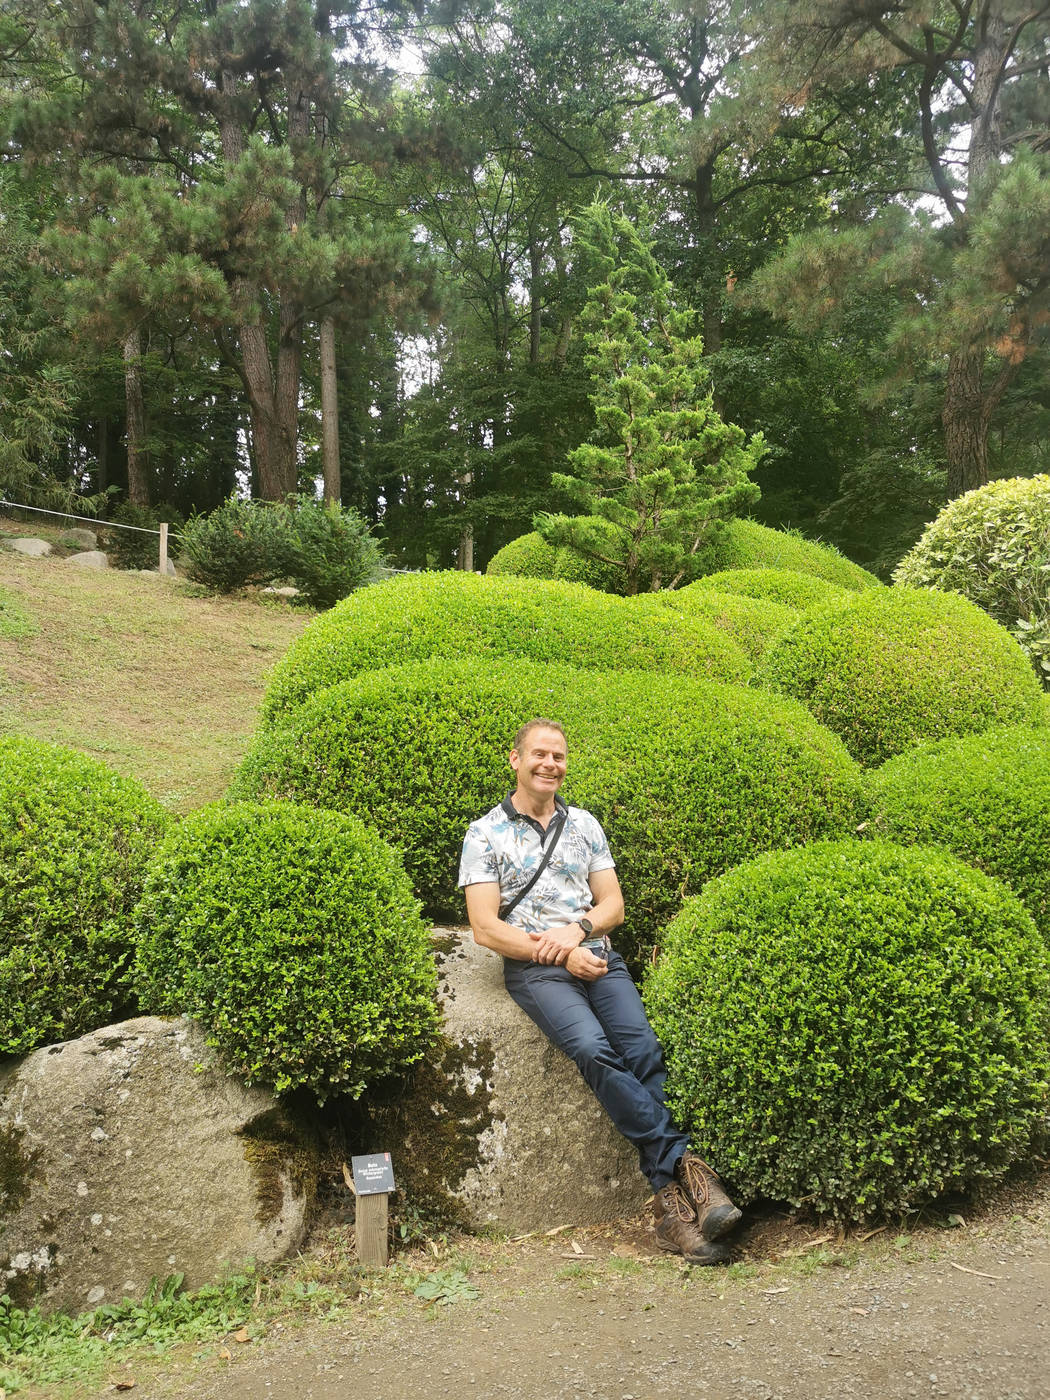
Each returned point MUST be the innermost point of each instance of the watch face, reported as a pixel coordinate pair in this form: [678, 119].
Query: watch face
[586, 925]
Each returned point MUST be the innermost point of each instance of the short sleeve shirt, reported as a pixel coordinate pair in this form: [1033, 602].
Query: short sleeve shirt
[505, 847]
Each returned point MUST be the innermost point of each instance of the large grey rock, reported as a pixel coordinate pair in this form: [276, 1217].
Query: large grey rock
[38, 549]
[79, 538]
[127, 1155]
[89, 559]
[500, 1128]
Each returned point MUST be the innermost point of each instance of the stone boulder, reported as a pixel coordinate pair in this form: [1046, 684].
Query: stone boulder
[498, 1128]
[38, 549]
[129, 1155]
[89, 559]
[78, 538]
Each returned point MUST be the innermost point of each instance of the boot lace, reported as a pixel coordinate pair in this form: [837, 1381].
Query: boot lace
[677, 1202]
[697, 1177]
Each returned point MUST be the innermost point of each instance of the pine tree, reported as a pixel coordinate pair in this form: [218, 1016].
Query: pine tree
[664, 468]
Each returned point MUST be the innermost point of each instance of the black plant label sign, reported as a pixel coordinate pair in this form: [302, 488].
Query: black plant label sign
[374, 1175]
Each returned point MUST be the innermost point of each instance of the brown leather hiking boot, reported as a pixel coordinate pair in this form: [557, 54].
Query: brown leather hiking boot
[676, 1228]
[715, 1212]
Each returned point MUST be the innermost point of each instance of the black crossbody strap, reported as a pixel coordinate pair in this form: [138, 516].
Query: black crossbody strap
[509, 908]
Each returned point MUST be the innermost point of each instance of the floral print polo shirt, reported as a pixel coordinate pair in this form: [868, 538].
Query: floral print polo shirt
[505, 846]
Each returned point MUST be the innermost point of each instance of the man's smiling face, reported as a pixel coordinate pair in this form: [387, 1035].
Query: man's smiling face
[540, 764]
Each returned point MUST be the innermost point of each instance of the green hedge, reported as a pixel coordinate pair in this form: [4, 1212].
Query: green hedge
[687, 777]
[529, 556]
[293, 937]
[750, 622]
[744, 544]
[787, 587]
[74, 841]
[986, 798]
[897, 666]
[992, 545]
[856, 1027]
[417, 616]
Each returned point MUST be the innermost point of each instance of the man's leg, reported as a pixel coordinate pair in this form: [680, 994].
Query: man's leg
[563, 1008]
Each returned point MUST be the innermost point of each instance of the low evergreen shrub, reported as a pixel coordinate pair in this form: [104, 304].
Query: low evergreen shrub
[687, 777]
[745, 544]
[788, 587]
[857, 1027]
[751, 622]
[574, 567]
[992, 545]
[238, 543]
[75, 838]
[293, 937]
[894, 667]
[986, 798]
[330, 551]
[415, 616]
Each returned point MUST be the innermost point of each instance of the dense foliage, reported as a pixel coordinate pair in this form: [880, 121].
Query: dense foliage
[751, 622]
[992, 545]
[985, 797]
[785, 586]
[894, 667]
[416, 616]
[75, 838]
[238, 543]
[687, 777]
[328, 552]
[856, 1026]
[293, 937]
[745, 544]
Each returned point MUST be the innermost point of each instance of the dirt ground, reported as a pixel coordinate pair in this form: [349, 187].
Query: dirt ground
[956, 1306]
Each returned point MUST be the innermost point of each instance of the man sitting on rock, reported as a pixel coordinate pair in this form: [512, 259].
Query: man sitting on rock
[542, 890]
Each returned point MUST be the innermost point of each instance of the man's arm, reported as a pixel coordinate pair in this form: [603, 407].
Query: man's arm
[490, 931]
[555, 944]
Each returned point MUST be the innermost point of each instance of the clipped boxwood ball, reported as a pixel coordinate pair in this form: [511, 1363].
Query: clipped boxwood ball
[687, 777]
[856, 1026]
[894, 667]
[745, 544]
[529, 556]
[75, 838]
[417, 616]
[751, 622]
[787, 587]
[293, 937]
[985, 797]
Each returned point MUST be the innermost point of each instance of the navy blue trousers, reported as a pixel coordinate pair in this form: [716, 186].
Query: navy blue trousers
[603, 1028]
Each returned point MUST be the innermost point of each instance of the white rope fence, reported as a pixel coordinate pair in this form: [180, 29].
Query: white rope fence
[161, 533]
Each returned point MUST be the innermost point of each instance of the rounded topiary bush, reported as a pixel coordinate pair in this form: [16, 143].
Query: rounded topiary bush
[986, 798]
[992, 545]
[856, 1026]
[745, 544]
[751, 622]
[787, 587]
[529, 556]
[894, 667]
[417, 616]
[574, 567]
[293, 937]
[75, 838]
[687, 777]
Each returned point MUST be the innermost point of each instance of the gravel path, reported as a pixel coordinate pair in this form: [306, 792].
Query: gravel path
[599, 1315]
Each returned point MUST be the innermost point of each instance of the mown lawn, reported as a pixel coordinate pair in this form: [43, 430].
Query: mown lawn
[151, 675]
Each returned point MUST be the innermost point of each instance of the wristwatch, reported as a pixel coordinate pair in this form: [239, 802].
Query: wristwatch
[588, 928]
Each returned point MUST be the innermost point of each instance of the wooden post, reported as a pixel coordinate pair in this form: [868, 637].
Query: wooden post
[371, 1230]
[164, 547]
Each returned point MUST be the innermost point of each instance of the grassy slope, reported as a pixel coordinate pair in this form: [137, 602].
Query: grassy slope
[142, 672]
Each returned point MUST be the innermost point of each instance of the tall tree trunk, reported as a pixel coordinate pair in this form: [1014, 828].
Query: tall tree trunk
[138, 476]
[535, 304]
[713, 276]
[465, 553]
[968, 401]
[273, 399]
[330, 415]
[965, 414]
